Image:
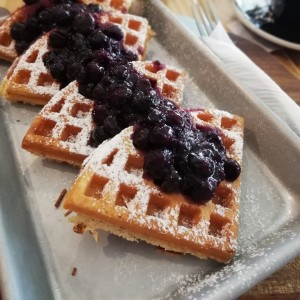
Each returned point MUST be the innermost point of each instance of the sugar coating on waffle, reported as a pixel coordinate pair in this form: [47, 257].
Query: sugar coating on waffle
[29, 81]
[62, 129]
[135, 29]
[7, 44]
[110, 193]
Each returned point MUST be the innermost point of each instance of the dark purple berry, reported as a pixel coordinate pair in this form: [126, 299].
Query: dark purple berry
[94, 8]
[99, 93]
[140, 138]
[30, 2]
[94, 72]
[203, 166]
[155, 116]
[232, 169]
[57, 39]
[111, 125]
[57, 69]
[21, 46]
[84, 23]
[162, 134]
[120, 96]
[86, 89]
[172, 182]
[98, 135]
[98, 40]
[114, 32]
[99, 114]
[17, 31]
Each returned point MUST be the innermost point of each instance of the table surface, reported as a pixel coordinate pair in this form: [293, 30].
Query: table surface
[284, 284]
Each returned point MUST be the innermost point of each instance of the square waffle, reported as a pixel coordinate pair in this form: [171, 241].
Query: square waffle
[29, 81]
[7, 44]
[110, 193]
[61, 130]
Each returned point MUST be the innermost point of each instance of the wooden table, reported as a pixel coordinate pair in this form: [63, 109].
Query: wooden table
[283, 67]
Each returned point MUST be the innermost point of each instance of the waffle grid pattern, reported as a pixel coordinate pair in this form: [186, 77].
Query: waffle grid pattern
[58, 117]
[7, 44]
[135, 29]
[111, 189]
[30, 81]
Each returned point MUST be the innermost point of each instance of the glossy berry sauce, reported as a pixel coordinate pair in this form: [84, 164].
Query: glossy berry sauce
[44, 15]
[180, 156]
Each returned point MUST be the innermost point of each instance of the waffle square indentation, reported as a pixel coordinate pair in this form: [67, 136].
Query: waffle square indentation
[134, 162]
[23, 77]
[134, 25]
[223, 196]
[125, 194]
[205, 116]
[130, 39]
[56, 108]
[115, 19]
[96, 186]
[189, 216]
[70, 133]
[168, 91]
[32, 57]
[172, 75]
[157, 205]
[228, 123]
[5, 39]
[217, 224]
[109, 159]
[45, 127]
[45, 79]
[80, 110]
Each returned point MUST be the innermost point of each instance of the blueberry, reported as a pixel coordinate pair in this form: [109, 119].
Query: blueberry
[140, 138]
[17, 31]
[60, 15]
[203, 166]
[175, 118]
[143, 84]
[84, 23]
[21, 46]
[155, 116]
[120, 73]
[77, 8]
[140, 102]
[57, 39]
[86, 89]
[114, 32]
[98, 135]
[120, 96]
[98, 39]
[157, 163]
[130, 56]
[49, 58]
[99, 114]
[57, 70]
[232, 169]
[102, 57]
[30, 2]
[99, 92]
[94, 8]
[172, 182]
[162, 134]
[94, 72]
[111, 125]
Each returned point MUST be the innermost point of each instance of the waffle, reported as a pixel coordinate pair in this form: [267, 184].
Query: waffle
[29, 81]
[110, 193]
[7, 44]
[61, 130]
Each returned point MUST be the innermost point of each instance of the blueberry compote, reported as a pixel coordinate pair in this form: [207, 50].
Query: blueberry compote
[48, 14]
[84, 52]
[180, 156]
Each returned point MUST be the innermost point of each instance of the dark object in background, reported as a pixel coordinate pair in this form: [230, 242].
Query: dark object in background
[281, 18]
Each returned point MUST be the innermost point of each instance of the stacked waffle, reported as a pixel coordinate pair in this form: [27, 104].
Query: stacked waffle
[111, 192]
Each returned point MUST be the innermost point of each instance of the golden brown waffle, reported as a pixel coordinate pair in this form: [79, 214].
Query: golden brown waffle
[136, 31]
[110, 193]
[61, 130]
[28, 79]
[7, 44]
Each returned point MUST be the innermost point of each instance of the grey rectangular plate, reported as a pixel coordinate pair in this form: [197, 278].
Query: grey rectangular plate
[38, 249]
